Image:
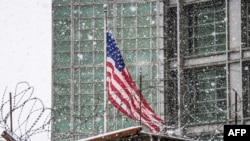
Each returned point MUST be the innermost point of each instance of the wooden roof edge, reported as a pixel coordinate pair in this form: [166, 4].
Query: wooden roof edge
[115, 134]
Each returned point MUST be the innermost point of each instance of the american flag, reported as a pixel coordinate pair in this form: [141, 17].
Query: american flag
[123, 92]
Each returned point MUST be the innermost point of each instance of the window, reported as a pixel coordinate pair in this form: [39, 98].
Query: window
[245, 26]
[171, 29]
[245, 5]
[205, 94]
[172, 98]
[205, 28]
[246, 88]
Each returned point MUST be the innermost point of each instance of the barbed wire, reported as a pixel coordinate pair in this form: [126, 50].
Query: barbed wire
[31, 115]
[34, 118]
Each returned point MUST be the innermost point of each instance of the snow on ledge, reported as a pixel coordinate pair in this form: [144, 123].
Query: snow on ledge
[115, 134]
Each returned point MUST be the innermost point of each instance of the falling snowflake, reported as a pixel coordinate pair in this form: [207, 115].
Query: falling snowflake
[83, 25]
[80, 57]
[90, 37]
[132, 8]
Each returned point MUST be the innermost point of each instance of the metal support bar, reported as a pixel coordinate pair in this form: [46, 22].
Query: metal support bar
[179, 59]
[140, 93]
[241, 72]
[11, 121]
[227, 60]
[235, 106]
[72, 109]
[105, 10]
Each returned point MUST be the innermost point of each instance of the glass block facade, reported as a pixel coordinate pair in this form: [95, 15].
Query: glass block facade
[192, 62]
[78, 45]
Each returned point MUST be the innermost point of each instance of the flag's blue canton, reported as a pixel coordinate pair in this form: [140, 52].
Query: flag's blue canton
[114, 52]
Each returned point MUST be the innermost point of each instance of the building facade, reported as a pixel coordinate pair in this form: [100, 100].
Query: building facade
[194, 56]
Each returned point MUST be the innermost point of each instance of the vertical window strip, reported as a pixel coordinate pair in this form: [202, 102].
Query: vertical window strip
[125, 16]
[245, 26]
[246, 89]
[171, 39]
[79, 42]
[86, 22]
[61, 58]
[128, 17]
[248, 23]
[172, 100]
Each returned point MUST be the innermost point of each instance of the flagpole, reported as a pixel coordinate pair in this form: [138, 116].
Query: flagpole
[105, 7]
[140, 93]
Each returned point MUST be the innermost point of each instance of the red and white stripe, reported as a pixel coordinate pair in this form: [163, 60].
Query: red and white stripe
[125, 96]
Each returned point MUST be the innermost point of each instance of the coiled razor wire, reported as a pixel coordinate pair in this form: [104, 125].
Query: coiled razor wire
[30, 115]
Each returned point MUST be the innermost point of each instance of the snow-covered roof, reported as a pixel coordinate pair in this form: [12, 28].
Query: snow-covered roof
[164, 137]
[129, 132]
[115, 134]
